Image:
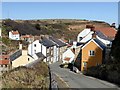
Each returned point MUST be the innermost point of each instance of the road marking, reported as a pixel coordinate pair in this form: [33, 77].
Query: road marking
[62, 79]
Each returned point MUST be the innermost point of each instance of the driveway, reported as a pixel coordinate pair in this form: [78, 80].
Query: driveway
[77, 80]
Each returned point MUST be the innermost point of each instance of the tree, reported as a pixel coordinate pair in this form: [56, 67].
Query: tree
[37, 26]
[116, 46]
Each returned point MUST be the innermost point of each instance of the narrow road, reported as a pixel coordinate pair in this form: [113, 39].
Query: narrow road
[74, 80]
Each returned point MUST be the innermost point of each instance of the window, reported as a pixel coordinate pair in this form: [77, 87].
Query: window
[5, 58]
[80, 38]
[84, 64]
[35, 51]
[5, 65]
[91, 53]
[34, 45]
[28, 59]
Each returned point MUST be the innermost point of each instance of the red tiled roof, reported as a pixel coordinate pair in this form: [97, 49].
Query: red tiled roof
[4, 62]
[67, 59]
[14, 32]
[107, 31]
[4, 56]
[26, 36]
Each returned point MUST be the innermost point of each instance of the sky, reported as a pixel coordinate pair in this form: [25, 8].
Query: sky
[101, 11]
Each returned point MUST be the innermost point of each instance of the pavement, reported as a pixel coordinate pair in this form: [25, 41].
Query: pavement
[78, 80]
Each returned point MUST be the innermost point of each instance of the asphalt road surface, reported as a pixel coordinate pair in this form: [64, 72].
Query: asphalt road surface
[78, 80]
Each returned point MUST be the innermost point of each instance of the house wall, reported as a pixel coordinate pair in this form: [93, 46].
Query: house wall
[83, 34]
[22, 60]
[60, 52]
[55, 53]
[91, 60]
[32, 49]
[4, 68]
[44, 50]
[14, 37]
[68, 53]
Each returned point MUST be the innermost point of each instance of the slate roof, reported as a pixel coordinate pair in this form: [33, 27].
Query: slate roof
[58, 42]
[39, 55]
[46, 42]
[101, 35]
[102, 45]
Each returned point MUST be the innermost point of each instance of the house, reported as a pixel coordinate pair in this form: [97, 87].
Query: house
[68, 56]
[34, 47]
[109, 32]
[27, 38]
[60, 48]
[22, 60]
[4, 63]
[92, 53]
[45, 46]
[50, 47]
[103, 34]
[83, 34]
[14, 35]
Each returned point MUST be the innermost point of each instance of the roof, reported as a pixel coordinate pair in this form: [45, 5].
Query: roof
[39, 55]
[87, 37]
[101, 35]
[46, 42]
[101, 44]
[66, 58]
[14, 32]
[26, 36]
[79, 43]
[4, 56]
[58, 42]
[97, 42]
[84, 32]
[4, 62]
[107, 31]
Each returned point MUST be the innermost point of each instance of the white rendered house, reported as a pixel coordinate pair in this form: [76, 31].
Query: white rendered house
[68, 56]
[34, 47]
[86, 35]
[14, 35]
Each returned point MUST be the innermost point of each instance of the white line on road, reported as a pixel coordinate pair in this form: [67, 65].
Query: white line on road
[61, 79]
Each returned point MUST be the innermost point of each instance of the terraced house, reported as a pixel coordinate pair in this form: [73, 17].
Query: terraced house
[50, 47]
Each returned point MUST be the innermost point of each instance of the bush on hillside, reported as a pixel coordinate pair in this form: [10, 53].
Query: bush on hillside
[109, 72]
[23, 77]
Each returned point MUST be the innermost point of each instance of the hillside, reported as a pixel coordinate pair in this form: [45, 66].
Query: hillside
[23, 77]
[67, 28]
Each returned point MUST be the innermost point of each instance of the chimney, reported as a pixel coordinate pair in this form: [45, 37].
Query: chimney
[113, 25]
[92, 27]
[74, 44]
[94, 35]
[20, 46]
